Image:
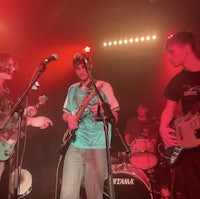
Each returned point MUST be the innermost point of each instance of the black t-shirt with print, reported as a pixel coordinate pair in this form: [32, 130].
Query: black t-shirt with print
[185, 86]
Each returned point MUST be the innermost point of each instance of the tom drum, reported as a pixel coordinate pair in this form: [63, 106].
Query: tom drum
[143, 153]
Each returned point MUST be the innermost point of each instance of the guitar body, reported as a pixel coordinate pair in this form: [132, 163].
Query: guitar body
[187, 134]
[69, 136]
[7, 147]
[8, 142]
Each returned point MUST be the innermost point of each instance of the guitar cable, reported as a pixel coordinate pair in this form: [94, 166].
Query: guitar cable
[57, 176]
[61, 156]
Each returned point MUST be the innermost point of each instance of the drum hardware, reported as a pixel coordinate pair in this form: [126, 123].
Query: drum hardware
[123, 156]
[166, 179]
[114, 160]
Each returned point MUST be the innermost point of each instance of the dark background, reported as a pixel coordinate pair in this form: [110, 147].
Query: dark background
[34, 30]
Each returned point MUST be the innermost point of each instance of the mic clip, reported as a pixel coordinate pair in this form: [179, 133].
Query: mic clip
[98, 115]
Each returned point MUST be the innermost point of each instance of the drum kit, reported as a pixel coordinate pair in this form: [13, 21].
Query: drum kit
[133, 175]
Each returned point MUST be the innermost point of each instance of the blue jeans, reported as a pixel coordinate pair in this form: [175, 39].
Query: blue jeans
[84, 167]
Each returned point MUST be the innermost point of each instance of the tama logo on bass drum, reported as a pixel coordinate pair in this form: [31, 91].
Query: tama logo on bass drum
[124, 181]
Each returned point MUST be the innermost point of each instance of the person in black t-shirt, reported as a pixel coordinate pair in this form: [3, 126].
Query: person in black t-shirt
[184, 88]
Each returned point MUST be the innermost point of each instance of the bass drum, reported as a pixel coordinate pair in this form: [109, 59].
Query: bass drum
[25, 186]
[129, 183]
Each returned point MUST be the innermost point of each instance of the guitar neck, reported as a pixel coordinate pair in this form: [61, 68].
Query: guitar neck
[86, 101]
[41, 100]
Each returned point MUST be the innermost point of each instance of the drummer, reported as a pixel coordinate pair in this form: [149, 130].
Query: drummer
[142, 135]
[141, 126]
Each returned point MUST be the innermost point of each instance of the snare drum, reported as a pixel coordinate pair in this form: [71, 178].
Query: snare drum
[129, 183]
[25, 186]
[143, 153]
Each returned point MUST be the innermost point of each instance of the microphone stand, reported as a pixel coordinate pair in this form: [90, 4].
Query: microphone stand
[17, 108]
[107, 117]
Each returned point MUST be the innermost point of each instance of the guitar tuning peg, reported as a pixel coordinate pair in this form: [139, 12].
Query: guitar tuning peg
[35, 86]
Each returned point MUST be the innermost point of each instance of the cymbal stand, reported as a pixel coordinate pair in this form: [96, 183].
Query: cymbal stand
[123, 165]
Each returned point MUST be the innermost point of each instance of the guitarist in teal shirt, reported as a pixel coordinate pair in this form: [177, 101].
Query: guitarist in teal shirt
[183, 135]
[85, 160]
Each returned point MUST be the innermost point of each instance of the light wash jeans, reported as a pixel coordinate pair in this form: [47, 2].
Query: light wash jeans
[87, 167]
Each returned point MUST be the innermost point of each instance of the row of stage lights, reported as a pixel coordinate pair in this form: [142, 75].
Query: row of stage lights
[129, 41]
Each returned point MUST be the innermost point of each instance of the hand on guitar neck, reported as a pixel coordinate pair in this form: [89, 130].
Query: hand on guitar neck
[185, 136]
[30, 111]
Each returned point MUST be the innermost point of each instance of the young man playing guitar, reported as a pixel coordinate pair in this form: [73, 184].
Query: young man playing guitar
[184, 87]
[85, 160]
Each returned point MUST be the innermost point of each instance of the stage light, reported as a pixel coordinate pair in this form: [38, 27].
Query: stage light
[104, 44]
[120, 42]
[147, 38]
[142, 39]
[154, 37]
[170, 36]
[125, 41]
[131, 40]
[87, 49]
[137, 39]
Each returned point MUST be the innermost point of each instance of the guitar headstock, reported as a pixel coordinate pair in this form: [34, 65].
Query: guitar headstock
[42, 99]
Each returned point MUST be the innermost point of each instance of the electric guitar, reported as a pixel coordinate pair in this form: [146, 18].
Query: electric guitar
[187, 135]
[8, 138]
[69, 134]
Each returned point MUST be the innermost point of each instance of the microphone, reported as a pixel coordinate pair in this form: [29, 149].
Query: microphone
[84, 58]
[49, 59]
[80, 56]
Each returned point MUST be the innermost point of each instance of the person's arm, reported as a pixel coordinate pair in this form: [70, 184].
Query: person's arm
[30, 111]
[115, 114]
[165, 129]
[114, 105]
[127, 138]
[41, 121]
